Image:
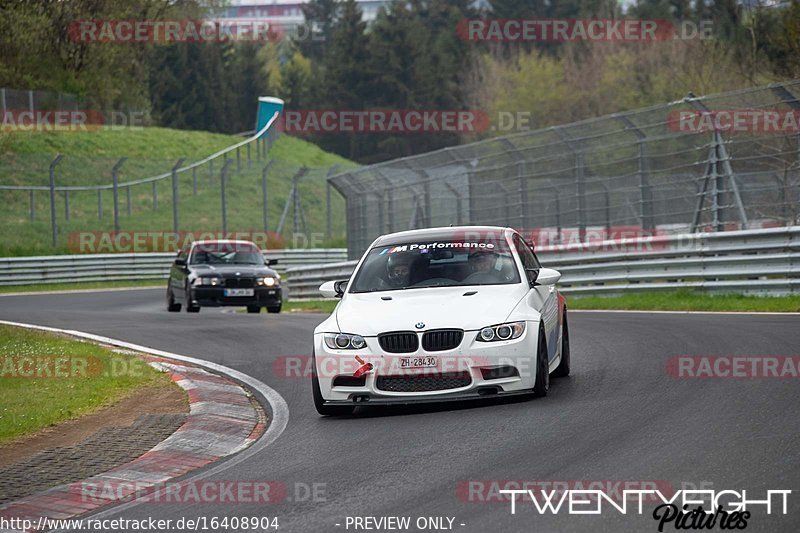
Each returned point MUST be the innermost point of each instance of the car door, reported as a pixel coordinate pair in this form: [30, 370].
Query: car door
[178, 274]
[547, 295]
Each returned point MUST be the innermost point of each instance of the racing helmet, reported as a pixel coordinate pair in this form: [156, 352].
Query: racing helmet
[396, 274]
[476, 255]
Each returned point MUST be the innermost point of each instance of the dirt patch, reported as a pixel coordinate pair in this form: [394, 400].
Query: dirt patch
[162, 399]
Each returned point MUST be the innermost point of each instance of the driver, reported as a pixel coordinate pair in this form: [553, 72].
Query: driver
[482, 261]
[398, 269]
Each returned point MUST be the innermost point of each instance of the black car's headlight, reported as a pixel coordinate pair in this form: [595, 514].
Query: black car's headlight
[268, 281]
[344, 341]
[208, 281]
[501, 332]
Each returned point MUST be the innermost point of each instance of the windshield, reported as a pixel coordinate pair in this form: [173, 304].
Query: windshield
[437, 264]
[226, 254]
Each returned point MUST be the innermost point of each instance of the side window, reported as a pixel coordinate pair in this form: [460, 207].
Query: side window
[526, 254]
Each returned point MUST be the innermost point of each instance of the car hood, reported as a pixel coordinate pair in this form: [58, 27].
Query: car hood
[232, 270]
[441, 307]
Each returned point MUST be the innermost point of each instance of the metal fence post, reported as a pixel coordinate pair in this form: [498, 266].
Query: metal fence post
[155, 195]
[115, 182]
[66, 206]
[328, 224]
[238, 161]
[264, 204]
[128, 200]
[459, 202]
[33, 207]
[223, 176]
[249, 159]
[99, 204]
[646, 194]
[607, 196]
[30, 102]
[175, 195]
[580, 184]
[53, 164]
[194, 181]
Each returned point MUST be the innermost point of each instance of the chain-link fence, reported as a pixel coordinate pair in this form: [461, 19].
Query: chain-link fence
[30, 100]
[727, 161]
[96, 204]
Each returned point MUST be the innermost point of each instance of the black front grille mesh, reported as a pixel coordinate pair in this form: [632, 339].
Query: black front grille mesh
[423, 382]
[438, 340]
[399, 342]
[239, 283]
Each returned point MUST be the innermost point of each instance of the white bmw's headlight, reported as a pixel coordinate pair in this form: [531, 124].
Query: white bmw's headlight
[208, 281]
[344, 341]
[268, 281]
[502, 332]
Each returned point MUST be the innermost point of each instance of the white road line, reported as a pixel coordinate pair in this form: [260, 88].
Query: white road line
[644, 311]
[278, 406]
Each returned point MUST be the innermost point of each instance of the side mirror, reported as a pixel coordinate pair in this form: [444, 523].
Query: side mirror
[180, 261]
[548, 276]
[271, 262]
[334, 289]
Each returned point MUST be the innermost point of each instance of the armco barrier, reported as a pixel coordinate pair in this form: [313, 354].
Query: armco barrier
[763, 261]
[131, 266]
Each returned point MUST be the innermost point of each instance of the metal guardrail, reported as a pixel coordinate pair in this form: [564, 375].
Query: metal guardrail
[131, 266]
[644, 168]
[754, 261]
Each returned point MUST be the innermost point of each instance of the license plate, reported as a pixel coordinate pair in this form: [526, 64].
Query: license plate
[417, 362]
[238, 292]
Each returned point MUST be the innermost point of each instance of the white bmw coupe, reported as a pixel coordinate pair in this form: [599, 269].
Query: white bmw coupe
[440, 314]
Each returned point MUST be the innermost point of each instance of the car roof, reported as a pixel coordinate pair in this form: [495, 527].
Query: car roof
[224, 241]
[441, 233]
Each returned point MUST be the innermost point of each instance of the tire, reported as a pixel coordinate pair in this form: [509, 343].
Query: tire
[274, 309]
[542, 383]
[562, 370]
[172, 307]
[319, 402]
[253, 309]
[189, 307]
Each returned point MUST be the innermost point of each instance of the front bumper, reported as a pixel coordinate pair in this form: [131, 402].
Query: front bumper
[472, 370]
[215, 297]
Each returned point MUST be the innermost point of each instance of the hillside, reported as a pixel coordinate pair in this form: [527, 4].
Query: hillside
[89, 157]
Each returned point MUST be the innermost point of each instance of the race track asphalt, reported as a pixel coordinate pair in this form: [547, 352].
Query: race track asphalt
[619, 417]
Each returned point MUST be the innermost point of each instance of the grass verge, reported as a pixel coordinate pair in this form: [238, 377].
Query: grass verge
[87, 285]
[687, 300]
[311, 306]
[47, 378]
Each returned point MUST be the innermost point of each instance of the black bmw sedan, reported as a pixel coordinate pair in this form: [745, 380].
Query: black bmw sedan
[223, 273]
